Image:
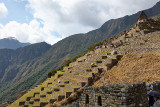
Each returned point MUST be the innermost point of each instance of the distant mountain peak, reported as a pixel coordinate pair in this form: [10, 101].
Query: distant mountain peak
[11, 38]
[11, 43]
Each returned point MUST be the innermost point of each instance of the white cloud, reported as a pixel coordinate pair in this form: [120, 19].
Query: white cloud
[76, 16]
[31, 32]
[69, 17]
[3, 10]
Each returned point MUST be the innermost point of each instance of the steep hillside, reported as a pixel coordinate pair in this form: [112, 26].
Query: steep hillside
[133, 68]
[15, 65]
[66, 49]
[11, 43]
[67, 82]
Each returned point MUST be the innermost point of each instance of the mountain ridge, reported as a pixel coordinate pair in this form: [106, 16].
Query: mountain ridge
[67, 48]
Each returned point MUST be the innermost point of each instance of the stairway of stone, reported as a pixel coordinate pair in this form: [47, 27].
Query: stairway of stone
[73, 77]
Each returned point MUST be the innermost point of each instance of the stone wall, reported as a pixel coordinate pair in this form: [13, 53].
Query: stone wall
[121, 95]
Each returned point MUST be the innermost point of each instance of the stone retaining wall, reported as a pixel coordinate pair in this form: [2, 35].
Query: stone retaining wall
[121, 95]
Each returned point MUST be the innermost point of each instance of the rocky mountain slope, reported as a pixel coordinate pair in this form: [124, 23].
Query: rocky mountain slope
[37, 68]
[11, 43]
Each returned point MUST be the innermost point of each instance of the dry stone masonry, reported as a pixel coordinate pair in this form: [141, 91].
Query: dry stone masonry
[119, 95]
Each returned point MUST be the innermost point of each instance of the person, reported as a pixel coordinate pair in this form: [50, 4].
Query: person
[151, 101]
[151, 98]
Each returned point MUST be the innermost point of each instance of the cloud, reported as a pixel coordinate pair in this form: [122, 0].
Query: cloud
[54, 20]
[3, 10]
[75, 16]
[31, 32]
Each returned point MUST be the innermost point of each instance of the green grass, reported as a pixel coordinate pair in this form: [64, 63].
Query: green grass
[47, 89]
[104, 52]
[43, 100]
[60, 72]
[36, 103]
[32, 91]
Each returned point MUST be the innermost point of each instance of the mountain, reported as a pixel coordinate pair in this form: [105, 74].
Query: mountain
[30, 71]
[11, 43]
[130, 53]
[17, 64]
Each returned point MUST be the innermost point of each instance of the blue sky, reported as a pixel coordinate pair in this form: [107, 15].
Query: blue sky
[52, 20]
[17, 11]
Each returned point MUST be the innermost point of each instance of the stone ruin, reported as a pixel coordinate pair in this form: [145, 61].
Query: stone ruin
[119, 95]
[147, 25]
[142, 17]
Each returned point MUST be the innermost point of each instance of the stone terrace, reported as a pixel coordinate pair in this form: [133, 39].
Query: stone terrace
[78, 74]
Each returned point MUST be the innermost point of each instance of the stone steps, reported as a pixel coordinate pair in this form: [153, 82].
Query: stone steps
[85, 72]
[51, 98]
[56, 83]
[74, 81]
[72, 87]
[54, 88]
[66, 91]
[77, 76]
[36, 104]
[43, 102]
[42, 94]
[31, 101]
[27, 104]
[48, 90]
[59, 95]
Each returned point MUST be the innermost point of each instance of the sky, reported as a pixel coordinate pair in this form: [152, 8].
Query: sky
[52, 20]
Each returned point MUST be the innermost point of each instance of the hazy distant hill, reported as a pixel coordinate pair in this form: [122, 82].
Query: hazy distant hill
[11, 43]
[19, 70]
